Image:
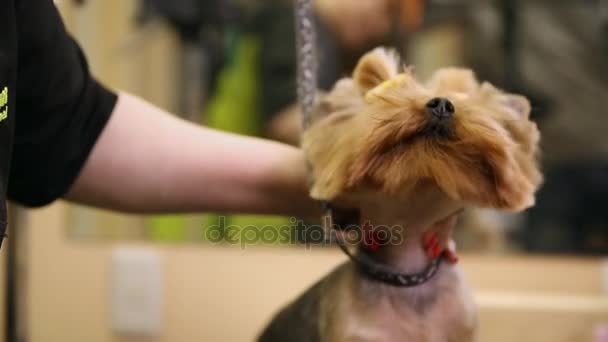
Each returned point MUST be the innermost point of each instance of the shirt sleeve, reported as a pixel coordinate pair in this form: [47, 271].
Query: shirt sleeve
[61, 109]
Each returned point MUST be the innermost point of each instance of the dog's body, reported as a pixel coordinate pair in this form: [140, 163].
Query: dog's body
[345, 306]
[348, 306]
[408, 156]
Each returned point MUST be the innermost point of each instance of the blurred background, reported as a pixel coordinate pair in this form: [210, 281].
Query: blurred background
[80, 274]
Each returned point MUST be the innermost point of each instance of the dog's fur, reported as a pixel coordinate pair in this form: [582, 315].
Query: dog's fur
[370, 148]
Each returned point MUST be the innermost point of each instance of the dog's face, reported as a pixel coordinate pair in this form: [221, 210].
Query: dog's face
[386, 131]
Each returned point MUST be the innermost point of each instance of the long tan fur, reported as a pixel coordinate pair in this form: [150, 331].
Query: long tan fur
[374, 139]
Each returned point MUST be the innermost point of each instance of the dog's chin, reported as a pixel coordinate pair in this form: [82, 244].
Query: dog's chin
[480, 170]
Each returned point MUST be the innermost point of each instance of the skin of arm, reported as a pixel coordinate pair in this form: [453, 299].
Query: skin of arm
[149, 161]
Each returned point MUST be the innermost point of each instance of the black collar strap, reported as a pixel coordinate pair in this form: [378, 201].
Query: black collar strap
[372, 268]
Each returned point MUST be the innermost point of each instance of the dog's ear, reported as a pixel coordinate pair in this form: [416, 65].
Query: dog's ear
[515, 103]
[526, 135]
[453, 80]
[514, 113]
[376, 67]
[519, 104]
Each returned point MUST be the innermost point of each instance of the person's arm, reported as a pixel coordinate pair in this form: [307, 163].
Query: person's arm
[146, 160]
[74, 138]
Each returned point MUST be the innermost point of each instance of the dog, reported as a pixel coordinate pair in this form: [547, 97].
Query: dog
[409, 156]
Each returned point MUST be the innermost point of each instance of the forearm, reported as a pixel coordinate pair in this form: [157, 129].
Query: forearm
[149, 161]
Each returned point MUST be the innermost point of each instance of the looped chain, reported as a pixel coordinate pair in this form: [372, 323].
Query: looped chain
[306, 58]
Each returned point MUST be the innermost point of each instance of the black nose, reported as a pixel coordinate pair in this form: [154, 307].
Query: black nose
[440, 108]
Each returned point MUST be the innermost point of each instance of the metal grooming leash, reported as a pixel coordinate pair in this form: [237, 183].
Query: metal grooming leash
[306, 54]
[307, 90]
[306, 58]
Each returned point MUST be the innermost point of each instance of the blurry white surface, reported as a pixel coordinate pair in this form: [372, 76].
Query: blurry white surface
[136, 292]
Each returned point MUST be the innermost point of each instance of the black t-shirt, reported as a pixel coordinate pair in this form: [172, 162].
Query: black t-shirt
[51, 109]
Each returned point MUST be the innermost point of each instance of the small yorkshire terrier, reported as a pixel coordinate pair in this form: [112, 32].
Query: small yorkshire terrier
[410, 156]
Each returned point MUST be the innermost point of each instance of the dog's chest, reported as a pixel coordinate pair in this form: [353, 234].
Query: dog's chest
[377, 325]
[425, 314]
[382, 321]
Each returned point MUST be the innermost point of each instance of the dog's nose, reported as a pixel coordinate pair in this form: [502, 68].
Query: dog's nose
[440, 108]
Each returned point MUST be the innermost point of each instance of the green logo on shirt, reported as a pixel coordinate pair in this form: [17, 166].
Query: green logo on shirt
[4, 104]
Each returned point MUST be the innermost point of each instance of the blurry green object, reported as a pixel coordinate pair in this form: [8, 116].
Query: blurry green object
[233, 107]
[168, 228]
